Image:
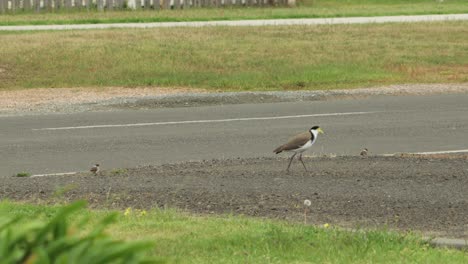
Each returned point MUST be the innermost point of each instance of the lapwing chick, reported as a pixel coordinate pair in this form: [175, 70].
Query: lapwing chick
[95, 169]
[364, 152]
[299, 144]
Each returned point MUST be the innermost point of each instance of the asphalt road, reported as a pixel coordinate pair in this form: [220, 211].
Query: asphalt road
[55, 143]
[258, 22]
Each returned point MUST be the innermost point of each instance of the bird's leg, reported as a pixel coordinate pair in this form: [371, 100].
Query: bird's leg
[292, 157]
[300, 158]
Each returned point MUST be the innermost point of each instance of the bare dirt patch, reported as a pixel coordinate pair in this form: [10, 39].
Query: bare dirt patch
[68, 100]
[426, 194]
[57, 99]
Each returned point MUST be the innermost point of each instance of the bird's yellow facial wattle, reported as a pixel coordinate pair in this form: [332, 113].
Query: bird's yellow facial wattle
[320, 131]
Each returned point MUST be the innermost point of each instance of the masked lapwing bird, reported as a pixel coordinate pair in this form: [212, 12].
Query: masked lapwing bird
[95, 169]
[299, 144]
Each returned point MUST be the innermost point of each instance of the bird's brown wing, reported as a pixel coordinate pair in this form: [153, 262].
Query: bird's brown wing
[294, 143]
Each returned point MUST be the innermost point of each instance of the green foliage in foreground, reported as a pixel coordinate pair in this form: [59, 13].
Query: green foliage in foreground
[53, 241]
[183, 238]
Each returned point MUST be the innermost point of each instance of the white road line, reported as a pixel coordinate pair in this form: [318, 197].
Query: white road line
[381, 155]
[441, 152]
[54, 174]
[427, 153]
[258, 22]
[200, 121]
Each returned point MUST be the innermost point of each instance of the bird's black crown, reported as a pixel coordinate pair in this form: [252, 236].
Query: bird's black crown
[315, 128]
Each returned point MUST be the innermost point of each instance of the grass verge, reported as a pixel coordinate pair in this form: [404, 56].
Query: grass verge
[182, 238]
[305, 9]
[233, 58]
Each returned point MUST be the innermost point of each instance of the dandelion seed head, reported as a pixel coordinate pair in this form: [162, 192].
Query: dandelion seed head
[307, 202]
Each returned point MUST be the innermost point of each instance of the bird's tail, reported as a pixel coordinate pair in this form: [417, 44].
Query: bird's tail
[278, 149]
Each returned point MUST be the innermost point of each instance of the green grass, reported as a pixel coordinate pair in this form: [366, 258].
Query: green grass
[23, 174]
[305, 9]
[235, 59]
[183, 238]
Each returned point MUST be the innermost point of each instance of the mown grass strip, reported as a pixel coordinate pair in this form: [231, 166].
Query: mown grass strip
[183, 238]
[234, 59]
[305, 9]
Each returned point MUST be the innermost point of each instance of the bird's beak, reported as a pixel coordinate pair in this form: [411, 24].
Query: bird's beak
[320, 131]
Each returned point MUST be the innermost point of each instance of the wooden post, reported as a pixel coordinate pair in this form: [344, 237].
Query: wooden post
[37, 5]
[26, 4]
[13, 6]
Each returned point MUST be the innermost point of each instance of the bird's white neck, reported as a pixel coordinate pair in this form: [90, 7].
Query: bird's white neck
[314, 132]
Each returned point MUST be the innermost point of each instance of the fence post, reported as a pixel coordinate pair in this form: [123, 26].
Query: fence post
[37, 5]
[26, 4]
[13, 6]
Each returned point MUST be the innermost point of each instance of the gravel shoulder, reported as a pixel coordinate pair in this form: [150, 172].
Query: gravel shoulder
[420, 193]
[72, 100]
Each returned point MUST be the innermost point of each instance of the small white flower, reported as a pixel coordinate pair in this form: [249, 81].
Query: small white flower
[307, 202]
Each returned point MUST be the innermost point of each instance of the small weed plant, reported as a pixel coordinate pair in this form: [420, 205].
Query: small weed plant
[23, 174]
